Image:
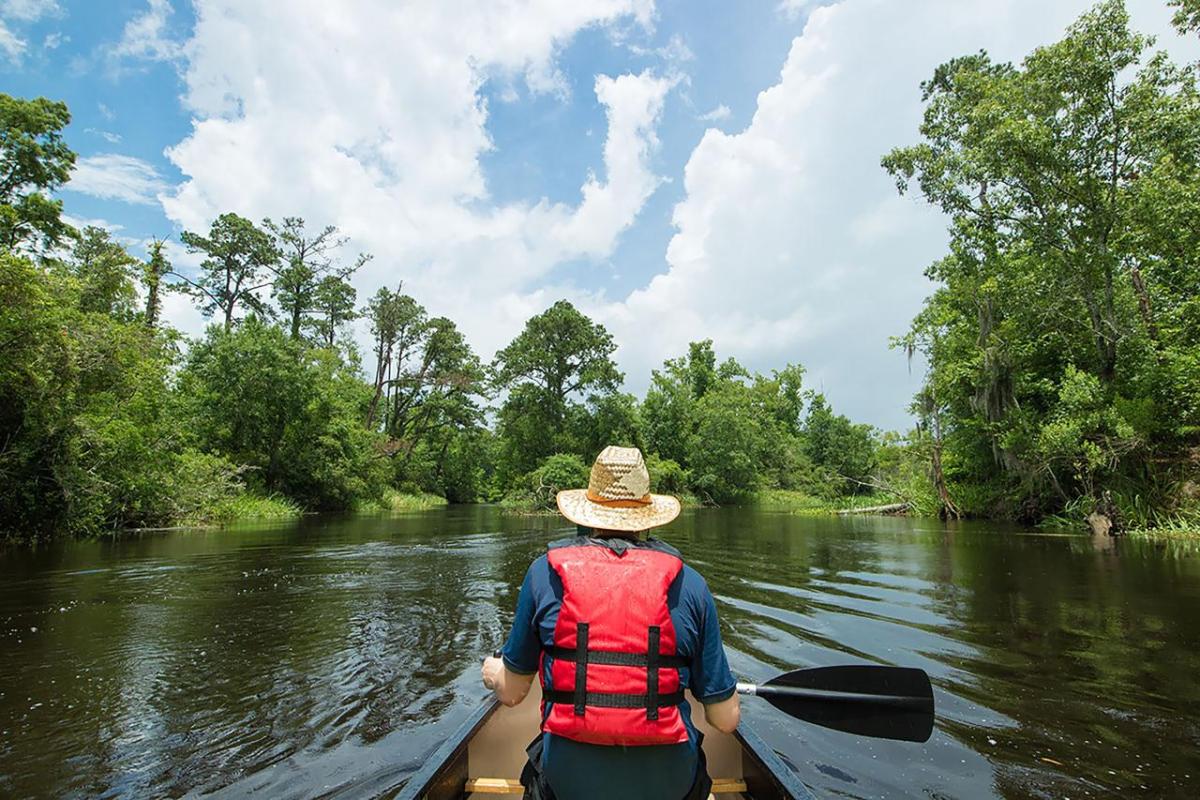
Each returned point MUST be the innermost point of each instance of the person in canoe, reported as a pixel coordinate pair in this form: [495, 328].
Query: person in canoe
[616, 626]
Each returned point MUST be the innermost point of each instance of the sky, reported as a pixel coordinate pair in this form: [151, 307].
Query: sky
[678, 169]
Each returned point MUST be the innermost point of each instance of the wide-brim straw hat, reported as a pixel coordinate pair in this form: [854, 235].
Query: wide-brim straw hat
[618, 497]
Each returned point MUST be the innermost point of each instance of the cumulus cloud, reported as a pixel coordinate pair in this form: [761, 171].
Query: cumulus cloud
[110, 176]
[375, 121]
[12, 46]
[791, 242]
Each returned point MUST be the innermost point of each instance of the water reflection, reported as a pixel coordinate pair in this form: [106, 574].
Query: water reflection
[329, 657]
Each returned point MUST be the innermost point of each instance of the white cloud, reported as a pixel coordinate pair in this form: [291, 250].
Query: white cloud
[29, 10]
[110, 176]
[106, 112]
[374, 120]
[79, 223]
[53, 41]
[11, 45]
[108, 136]
[675, 51]
[791, 242]
[719, 113]
[145, 38]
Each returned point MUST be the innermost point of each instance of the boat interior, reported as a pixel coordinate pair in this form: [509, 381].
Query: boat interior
[495, 755]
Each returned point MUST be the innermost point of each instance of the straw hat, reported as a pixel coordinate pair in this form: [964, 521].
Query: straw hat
[618, 495]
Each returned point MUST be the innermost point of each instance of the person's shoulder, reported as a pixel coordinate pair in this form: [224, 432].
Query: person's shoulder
[692, 579]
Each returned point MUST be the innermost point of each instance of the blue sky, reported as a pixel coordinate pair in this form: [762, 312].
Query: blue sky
[679, 170]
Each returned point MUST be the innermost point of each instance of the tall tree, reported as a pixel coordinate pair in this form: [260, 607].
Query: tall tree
[398, 324]
[105, 273]
[34, 162]
[239, 256]
[333, 306]
[559, 353]
[308, 258]
[1071, 185]
[153, 272]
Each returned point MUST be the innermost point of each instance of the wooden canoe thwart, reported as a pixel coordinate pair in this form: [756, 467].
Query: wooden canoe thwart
[484, 758]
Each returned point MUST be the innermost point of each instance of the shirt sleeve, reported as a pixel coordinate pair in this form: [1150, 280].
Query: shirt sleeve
[523, 647]
[711, 679]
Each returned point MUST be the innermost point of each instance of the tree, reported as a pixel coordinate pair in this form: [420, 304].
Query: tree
[560, 353]
[845, 451]
[238, 258]
[289, 413]
[153, 271]
[727, 449]
[1071, 185]
[398, 324]
[105, 273]
[308, 261]
[34, 162]
[1187, 15]
[333, 306]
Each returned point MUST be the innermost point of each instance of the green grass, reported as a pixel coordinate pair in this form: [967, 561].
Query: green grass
[395, 500]
[246, 507]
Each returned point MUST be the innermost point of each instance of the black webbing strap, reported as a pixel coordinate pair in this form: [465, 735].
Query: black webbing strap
[613, 700]
[652, 673]
[612, 658]
[581, 662]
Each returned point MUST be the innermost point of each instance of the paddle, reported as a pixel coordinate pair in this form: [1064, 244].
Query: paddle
[882, 702]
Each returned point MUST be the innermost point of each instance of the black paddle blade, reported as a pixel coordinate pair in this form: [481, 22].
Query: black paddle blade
[882, 702]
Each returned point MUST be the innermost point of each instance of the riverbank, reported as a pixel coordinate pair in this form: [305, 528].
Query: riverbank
[395, 500]
[790, 500]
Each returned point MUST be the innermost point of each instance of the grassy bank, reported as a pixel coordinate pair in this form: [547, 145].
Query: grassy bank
[246, 507]
[395, 500]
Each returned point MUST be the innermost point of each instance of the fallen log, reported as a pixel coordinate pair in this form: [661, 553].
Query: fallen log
[890, 508]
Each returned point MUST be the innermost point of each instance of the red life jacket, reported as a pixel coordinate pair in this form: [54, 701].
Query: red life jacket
[614, 674]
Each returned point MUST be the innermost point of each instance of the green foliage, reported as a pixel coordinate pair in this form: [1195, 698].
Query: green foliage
[727, 448]
[34, 162]
[843, 451]
[666, 476]
[104, 272]
[1187, 15]
[560, 354]
[293, 416]
[238, 256]
[555, 473]
[1061, 345]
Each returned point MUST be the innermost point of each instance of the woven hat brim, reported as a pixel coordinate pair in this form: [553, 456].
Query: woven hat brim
[575, 506]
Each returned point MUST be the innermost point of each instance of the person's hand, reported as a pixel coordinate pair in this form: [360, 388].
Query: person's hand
[491, 671]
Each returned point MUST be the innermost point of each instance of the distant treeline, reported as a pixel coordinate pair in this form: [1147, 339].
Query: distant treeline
[1063, 342]
[110, 418]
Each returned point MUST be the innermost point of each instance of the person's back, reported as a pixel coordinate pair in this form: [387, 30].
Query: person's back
[616, 628]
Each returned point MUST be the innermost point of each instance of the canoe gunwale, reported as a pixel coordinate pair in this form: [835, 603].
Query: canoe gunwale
[784, 778]
[448, 752]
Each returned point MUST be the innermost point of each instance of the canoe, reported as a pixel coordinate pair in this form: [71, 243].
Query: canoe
[483, 759]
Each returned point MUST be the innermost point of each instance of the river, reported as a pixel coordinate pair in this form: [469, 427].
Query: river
[329, 656]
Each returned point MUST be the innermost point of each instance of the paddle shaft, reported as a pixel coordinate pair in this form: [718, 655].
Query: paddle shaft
[826, 696]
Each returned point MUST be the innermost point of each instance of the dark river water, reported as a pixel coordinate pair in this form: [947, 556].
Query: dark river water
[328, 658]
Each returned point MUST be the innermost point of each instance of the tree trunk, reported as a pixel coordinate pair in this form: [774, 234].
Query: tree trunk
[948, 508]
